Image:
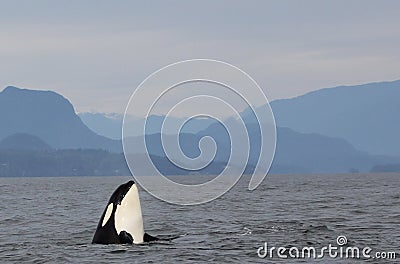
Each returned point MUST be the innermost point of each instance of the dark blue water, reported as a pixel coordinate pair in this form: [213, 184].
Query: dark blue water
[52, 220]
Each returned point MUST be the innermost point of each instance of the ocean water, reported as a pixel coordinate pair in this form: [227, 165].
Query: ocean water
[52, 220]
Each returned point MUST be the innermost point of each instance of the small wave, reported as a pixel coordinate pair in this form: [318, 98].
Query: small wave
[118, 251]
[246, 232]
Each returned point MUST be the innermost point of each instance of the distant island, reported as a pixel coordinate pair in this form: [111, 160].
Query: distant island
[336, 130]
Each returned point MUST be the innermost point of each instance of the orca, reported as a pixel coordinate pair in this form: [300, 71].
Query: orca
[121, 221]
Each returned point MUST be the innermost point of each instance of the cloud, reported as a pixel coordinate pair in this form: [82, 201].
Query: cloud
[97, 52]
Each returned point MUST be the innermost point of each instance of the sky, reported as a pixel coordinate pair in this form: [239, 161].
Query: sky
[96, 53]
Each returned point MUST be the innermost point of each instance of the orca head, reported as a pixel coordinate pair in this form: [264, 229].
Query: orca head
[119, 194]
[122, 220]
[128, 212]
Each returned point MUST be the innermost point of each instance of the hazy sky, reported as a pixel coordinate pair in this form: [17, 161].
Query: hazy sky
[96, 52]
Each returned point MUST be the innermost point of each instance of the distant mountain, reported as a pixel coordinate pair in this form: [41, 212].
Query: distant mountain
[386, 168]
[50, 117]
[368, 115]
[189, 146]
[295, 152]
[37, 127]
[302, 152]
[110, 125]
[314, 153]
[21, 141]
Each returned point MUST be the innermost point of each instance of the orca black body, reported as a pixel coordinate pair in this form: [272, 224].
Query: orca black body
[121, 221]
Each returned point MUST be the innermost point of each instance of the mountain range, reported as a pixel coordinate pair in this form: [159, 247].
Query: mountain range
[110, 125]
[317, 133]
[295, 152]
[50, 117]
[365, 115]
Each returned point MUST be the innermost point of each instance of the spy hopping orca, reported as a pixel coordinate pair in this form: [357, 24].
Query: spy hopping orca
[121, 221]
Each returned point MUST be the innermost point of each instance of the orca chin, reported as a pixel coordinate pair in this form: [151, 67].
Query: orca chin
[121, 221]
